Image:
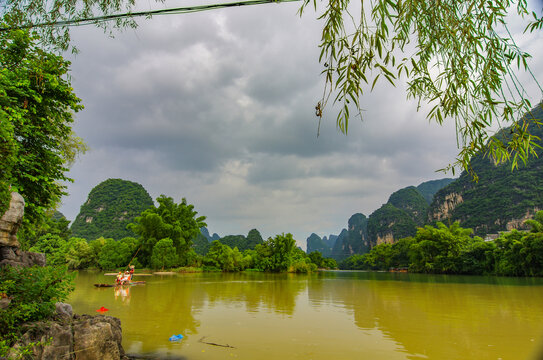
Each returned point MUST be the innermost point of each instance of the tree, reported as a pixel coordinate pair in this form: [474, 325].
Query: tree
[54, 248]
[223, 257]
[164, 254]
[457, 56]
[78, 254]
[536, 224]
[37, 104]
[380, 257]
[438, 249]
[316, 258]
[275, 254]
[111, 255]
[177, 222]
[508, 254]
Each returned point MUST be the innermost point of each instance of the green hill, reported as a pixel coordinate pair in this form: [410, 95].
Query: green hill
[501, 200]
[389, 224]
[315, 243]
[353, 240]
[429, 188]
[411, 201]
[110, 207]
[405, 210]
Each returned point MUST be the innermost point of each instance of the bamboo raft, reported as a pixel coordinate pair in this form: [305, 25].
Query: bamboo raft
[115, 285]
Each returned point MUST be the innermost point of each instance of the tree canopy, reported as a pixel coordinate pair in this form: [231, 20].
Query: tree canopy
[458, 57]
[37, 104]
[110, 207]
[176, 222]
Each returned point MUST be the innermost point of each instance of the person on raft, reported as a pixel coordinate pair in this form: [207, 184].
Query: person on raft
[126, 278]
[132, 269]
[119, 279]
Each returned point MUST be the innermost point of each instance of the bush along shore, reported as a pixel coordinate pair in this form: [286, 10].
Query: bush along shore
[453, 250]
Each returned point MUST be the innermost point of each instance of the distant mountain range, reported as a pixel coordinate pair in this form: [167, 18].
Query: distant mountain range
[405, 210]
[501, 200]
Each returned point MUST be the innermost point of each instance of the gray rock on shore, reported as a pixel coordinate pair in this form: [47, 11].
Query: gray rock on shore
[73, 337]
[12, 220]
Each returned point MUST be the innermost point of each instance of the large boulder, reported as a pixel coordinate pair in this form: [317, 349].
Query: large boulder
[13, 256]
[10, 252]
[11, 221]
[81, 337]
[97, 337]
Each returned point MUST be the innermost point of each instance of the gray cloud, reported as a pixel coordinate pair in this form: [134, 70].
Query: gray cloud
[218, 107]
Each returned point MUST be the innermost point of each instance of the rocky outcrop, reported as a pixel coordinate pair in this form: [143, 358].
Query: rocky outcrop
[446, 207]
[354, 240]
[65, 336]
[10, 254]
[389, 224]
[387, 238]
[13, 256]
[519, 223]
[11, 221]
[73, 337]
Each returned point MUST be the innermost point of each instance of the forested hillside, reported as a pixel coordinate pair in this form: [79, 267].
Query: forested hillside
[429, 188]
[110, 207]
[354, 240]
[315, 243]
[501, 200]
[405, 210]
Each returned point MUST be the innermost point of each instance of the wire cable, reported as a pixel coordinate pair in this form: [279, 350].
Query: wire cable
[170, 11]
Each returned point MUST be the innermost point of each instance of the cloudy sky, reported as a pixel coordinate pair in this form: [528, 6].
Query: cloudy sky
[218, 107]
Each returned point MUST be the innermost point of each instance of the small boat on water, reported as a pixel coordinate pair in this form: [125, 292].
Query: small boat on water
[123, 278]
[116, 285]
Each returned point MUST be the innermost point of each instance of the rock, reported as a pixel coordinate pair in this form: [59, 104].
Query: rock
[64, 311]
[98, 337]
[11, 221]
[10, 254]
[84, 337]
[4, 302]
[13, 256]
[51, 341]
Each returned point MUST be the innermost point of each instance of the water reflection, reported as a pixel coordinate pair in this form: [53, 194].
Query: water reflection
[256, 292]
[326, 315]
[122, 292]
[442, 316]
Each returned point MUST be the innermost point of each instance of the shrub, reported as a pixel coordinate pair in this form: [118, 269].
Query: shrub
[33, 293]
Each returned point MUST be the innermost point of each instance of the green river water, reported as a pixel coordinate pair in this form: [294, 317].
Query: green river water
[328, 315]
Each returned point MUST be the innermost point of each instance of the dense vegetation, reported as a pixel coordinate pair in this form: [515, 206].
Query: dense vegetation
[37, 144]
[411, 201]
[500, 195]
[33, 293]
[389, 222]
[315, 243]
[399, 217]
[453, 250]
[429, 188]
[173, 226]
[170, 236]
[354, 240]
[110, 207]
[278, 254]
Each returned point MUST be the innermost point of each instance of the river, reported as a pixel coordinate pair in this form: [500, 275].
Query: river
[327, 315]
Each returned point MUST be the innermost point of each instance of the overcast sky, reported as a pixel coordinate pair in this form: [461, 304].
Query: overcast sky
[218, 107]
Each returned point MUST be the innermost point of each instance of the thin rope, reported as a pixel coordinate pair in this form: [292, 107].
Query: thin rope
[179, 10]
